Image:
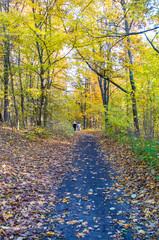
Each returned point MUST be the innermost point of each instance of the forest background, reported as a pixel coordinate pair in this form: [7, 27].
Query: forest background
[95, 62]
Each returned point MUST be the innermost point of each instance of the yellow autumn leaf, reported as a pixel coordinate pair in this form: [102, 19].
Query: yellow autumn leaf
[126, 226]
[8, 215]
[65, 200]
[50, 234]
[85, 231]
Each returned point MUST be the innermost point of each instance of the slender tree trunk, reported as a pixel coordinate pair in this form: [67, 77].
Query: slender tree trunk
[104, 87]
[13, 93]
[103, 82]
[46, 98]
[106, 99]
[131, 76]
[45, 111]
[6, 66]
[85, 117]
[42, 87]
[45, 115]
[21, 88]
[42, 97]
[85, 104]
[133, 97]
[6, 80]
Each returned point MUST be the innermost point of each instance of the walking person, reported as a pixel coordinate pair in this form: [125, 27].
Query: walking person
[74, 125]
[1, 117]
[79, 126]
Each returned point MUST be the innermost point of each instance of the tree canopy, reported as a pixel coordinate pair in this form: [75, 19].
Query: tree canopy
[89, 61]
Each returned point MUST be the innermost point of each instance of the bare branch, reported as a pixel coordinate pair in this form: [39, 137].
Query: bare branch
[125, 34]
[101, 75]
[151, 44]
[86, 6]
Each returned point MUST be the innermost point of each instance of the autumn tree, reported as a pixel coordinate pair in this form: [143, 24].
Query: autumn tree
[116, 33]
[5, 9]
[38, 57]
[105, 39]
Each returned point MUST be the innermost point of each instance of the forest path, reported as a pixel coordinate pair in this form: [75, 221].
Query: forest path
[88, 206]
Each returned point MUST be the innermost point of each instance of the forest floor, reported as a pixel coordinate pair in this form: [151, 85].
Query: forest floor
[60, 189]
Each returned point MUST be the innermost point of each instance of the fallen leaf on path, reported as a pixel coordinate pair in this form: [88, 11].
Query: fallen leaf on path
[85, 224]
[73, 222]
[50, 234]
[65, 200]
[77, 195]
[80, 235]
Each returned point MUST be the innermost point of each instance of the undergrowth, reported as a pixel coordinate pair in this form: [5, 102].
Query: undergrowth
[145, 150]
[59, 130]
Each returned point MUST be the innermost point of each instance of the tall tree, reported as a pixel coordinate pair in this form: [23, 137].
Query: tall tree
[127, 27]
[6, 46]
[92, 36]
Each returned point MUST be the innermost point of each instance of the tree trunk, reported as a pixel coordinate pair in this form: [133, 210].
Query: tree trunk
[42, 97]
[85, 121]
[13, 93]
[42, 87]
[45, 111]
[6, 80]
[133, 97]
[131, 76]
[106, 99]
[6, 66]
[21, 88]
[104, 87]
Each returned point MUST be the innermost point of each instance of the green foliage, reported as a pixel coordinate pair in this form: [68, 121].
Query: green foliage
[41, 132]
[29, 136]
[59, 130]
[63, 129]
[37, 132]
[145, 150]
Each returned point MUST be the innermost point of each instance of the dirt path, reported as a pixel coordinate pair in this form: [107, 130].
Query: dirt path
[91, 202]
[89, 207]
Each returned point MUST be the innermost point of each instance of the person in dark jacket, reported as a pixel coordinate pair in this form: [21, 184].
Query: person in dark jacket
[1, 117]
[74, 125]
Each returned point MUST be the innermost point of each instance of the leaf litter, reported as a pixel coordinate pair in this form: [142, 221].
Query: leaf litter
[30, 173]
[141, 187]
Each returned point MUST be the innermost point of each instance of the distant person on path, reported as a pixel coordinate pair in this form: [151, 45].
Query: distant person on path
[1, 117]
[79, 126]
[74, 125]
